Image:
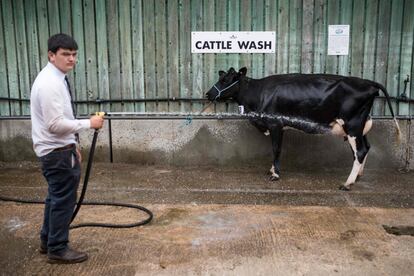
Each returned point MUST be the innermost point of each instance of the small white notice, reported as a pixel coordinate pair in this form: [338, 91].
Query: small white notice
[233, 42]
[338, 40]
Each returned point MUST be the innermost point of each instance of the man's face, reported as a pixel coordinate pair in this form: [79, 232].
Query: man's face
[64, 59]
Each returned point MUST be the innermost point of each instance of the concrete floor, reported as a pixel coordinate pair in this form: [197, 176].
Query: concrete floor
[219, 221]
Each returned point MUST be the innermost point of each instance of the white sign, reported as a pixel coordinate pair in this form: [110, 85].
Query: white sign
[338, 40]
[233, 42]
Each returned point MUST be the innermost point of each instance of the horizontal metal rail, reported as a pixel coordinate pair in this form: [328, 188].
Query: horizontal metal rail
[398, 99]
[173, 99]
[179, 116]
[182, 116]
[103, 101]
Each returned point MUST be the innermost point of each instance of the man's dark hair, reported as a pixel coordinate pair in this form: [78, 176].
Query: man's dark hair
[61, 41]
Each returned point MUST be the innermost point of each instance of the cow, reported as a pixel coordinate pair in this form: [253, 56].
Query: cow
[313, 103]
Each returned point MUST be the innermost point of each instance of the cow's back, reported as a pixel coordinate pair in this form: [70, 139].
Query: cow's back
[318, 97]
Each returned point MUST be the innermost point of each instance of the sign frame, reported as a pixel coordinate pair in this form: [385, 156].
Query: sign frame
[233, 42]
[338, 40]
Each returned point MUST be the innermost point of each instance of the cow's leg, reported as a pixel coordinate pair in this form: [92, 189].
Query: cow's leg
[367, 145]
[361, 170]
[360, 150]
[367, 127]
[276, 134]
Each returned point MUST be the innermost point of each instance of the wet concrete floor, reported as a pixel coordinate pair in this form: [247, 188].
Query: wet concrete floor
[219, 221]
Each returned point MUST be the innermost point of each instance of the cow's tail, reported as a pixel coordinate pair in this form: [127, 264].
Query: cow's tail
[384, 90]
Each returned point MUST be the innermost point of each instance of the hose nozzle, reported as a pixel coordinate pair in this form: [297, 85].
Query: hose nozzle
[100, 113]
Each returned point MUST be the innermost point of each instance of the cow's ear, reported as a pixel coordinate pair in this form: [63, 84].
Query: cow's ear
[243, 71]
[221, 73]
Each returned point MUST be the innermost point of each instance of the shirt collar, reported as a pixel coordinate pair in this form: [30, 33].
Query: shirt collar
[56, 71]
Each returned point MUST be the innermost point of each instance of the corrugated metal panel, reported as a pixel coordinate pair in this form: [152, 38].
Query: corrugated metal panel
[136, 49]
[4, 87]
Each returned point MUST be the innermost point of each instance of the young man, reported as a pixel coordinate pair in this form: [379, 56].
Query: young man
[54, 134]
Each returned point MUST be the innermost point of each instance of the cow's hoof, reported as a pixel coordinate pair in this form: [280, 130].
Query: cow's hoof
[345, 188]
[274, 178]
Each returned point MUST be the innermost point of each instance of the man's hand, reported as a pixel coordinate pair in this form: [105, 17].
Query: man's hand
[96, 122]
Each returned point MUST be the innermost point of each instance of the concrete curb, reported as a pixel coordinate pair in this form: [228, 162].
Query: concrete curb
[221, 143]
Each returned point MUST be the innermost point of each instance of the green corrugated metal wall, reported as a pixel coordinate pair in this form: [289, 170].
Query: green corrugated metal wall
[140, 49]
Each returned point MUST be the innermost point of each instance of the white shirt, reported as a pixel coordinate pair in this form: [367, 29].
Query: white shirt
[53, 124]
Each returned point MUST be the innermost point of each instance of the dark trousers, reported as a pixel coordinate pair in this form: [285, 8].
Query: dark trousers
[62, 172]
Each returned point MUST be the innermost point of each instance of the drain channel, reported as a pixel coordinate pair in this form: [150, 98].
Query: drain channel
[399, 230]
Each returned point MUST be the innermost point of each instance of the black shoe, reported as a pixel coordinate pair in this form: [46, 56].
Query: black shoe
[43, 248]
[66, 256]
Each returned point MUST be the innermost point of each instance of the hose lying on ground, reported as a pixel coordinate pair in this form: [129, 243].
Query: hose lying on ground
[107, 225]
[80, 202]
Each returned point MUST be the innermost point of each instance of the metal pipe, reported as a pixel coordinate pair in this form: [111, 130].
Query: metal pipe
[14, 99]
[399, 99]
[165, 116]
[101, 101]
[111, 157]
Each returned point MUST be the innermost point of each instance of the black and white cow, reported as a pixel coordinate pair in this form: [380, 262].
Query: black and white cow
[314, 103]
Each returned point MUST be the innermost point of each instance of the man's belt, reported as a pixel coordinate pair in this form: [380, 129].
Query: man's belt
[67, 147]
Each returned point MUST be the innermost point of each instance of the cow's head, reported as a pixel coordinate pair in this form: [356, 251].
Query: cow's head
[227, 86]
